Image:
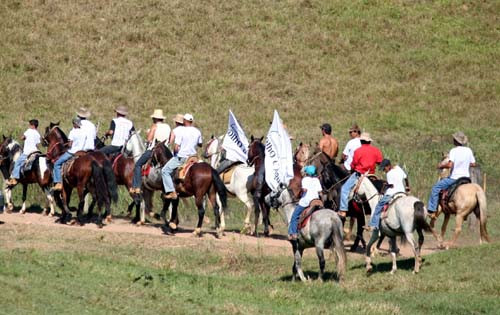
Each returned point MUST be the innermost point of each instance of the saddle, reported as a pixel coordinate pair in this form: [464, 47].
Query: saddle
[30, 160]
[393, 199]
[227, 174]
[315, 204]
[446, 194]
[184, 169]
[66, 167]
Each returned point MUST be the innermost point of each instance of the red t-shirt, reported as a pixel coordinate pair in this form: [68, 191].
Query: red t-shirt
[365, 159]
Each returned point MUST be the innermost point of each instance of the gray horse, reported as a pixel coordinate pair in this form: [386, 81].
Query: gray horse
[324, 230]
[405, 215]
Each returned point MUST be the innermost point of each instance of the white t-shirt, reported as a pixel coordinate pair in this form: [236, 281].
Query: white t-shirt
[396, 177]
[313, 188]
[32, 138]
[77, 135]
[350, 147]
[122, 131]
[461, 157]
[90, 131]
[187, 137]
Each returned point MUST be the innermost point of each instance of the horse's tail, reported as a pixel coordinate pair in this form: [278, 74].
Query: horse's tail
[338, 246]
[481, 204]
[220, 188]
[110, 180]
[419, 217]
[99, 183]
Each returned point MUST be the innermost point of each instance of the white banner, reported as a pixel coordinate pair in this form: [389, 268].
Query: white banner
[279, 157]
[235, 142]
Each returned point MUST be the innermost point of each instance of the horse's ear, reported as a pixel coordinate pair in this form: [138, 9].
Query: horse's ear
[261, 138]
[251, 138]
[300, 144]
[4, 137]
[212, 136]
[51, 125]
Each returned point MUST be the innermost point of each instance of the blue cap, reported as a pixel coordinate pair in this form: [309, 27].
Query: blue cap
[310, 170]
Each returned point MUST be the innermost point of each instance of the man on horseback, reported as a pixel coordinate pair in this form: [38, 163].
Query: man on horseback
[158, 132]
[120, 128]
[88, 128]
[31, 139]
[76, 142]
[364, 161]
[351, 146]
[460, 159]
[311, 189]
[328, 144]
[397, 181]
[187, 139]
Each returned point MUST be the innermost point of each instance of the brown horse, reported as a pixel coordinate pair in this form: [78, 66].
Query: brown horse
[86, 173]
[38, 174]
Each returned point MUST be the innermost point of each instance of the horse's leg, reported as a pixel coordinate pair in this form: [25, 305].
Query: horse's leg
[201, 214]
[50, 202]
[81, 197]
[88, 204]
[415, 248]
[348, 230]
[368, 258]
[247, 228]
[444, 226]
[257, 213]
[394, 247]
[66, 197]
[9, 206]
[321, 257]
[458, 228]
[418, 256]
[265, 218]
[221, 211]
[298, 263]
[212, 197]
[25, 191]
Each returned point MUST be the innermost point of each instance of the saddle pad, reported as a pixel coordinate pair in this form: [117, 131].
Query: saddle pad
[446, 194]
[30, 160]
[146, 168]
[184, 169]
[68, 165]
[306, 214]
[393, 199]
[227, 175]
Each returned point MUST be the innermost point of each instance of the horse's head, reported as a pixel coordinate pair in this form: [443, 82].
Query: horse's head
[255, 149]
[55, 139]
[301, 154]
[444, 172]
[134, 145]
[4, 148]
[212, 146]
[161, 154]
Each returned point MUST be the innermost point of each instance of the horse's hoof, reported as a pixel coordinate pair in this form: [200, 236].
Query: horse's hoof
[172, 225]
[206, 220]
[22, 211]
[72, 222]
[108, 219]
[139, 223]
[197, 232]
[369, 269]
[393, 272]
[219, 233]
[100, 225]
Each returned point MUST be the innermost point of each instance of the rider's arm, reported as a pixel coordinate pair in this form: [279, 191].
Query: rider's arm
[407, 184]
[176, 148]
[151, 134]
[111, 129]
[448, 164]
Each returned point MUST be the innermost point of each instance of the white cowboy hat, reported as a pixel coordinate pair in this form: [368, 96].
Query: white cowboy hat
[460, 137]
[121, 110]
[188, 117]
[179, 118]
[365, 136]
[158, 114]
[83, 112]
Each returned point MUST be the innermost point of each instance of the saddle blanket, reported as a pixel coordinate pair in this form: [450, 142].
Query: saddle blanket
[315, 204]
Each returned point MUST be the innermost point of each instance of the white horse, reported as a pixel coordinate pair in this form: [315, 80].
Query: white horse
[240, 179]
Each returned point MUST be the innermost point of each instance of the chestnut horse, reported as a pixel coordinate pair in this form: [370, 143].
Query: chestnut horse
[86, 174]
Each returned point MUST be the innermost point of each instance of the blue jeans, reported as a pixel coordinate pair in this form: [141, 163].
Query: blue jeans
[346, 190]
[16, 172]
[136, 181]
[58, 166]
[168, 170]
[110, 149]
[293, 228]
[434, 198]
[375, 219]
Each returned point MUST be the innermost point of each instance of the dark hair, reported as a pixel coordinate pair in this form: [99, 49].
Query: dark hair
[327, 128]
[365, 142]
[34, 122]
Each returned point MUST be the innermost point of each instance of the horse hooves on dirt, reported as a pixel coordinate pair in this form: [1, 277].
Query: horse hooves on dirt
[197, 232]
[172, 226]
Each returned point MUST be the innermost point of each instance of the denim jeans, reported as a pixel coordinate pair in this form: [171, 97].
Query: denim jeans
[136, 181]
[375, 219]
[16, 172]
[434, 197]
[168, 170]
[346, 190]
[294, 221]
[58, 166]
[110, 149]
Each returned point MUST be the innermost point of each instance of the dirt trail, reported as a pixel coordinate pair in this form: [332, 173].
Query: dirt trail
[274, 245]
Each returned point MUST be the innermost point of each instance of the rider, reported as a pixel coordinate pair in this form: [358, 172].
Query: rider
[364, 160]
[76, 142]
[460, 159]
[31, 139]
[187, 139]
[120, 128]
[311, 188]
[88, 128]
[351, 146]
[179, 124]
[397, 181]
[328, 144]
[158, 132]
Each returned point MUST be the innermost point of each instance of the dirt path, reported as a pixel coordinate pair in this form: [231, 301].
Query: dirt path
[275, 245]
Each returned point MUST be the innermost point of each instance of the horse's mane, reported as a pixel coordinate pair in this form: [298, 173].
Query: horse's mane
[161, 151]
[62, 134]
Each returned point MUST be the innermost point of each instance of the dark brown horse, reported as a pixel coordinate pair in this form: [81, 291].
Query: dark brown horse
[86, 174]
[201, 180]
[38, 174]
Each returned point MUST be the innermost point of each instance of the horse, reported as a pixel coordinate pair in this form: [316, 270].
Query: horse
[404, 215]
[241, 178]
[323, 230]
[200, 180]
[38, 174]
[466, 199]
[88, 172]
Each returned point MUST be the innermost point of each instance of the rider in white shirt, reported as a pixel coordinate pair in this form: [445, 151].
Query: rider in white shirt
[461, 159]
[120, 129]
[351, 146]
[187, 139]
[31, 139]
[88, 128]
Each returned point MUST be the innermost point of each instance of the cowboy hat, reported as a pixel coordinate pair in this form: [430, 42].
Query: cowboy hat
[460, 137]
[354, 127]
[365, 136]
[158, 114]
[83, 112]
[179, 118]
[122, 110]
[77, 121]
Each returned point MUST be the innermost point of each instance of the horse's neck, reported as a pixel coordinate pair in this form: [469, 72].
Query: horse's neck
[367, 189]
[289, 207]
[137, 148]
[215, 159]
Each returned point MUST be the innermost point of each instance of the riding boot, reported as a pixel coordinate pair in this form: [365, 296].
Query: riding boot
[375, 236]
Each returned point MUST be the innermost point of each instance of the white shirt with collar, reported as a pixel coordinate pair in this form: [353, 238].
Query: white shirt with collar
[90, 131]
[187, 138]
[32, 139]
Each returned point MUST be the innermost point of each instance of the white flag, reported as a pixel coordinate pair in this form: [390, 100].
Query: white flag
[279, 158]
[235, 142]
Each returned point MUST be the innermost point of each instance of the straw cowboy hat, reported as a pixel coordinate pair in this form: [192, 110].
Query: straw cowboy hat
[121, 110]
[460, 137]
[355, 127]
[365, 136]
[83, 112]
[158, 114]
[179, 118]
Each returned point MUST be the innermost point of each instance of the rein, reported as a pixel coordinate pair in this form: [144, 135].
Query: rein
[51, 148]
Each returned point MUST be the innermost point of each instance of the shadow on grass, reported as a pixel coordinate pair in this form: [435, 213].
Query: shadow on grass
[313, 275]
[403, 264]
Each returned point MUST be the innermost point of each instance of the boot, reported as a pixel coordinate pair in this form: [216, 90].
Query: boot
[58, 187]
[171, 195]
